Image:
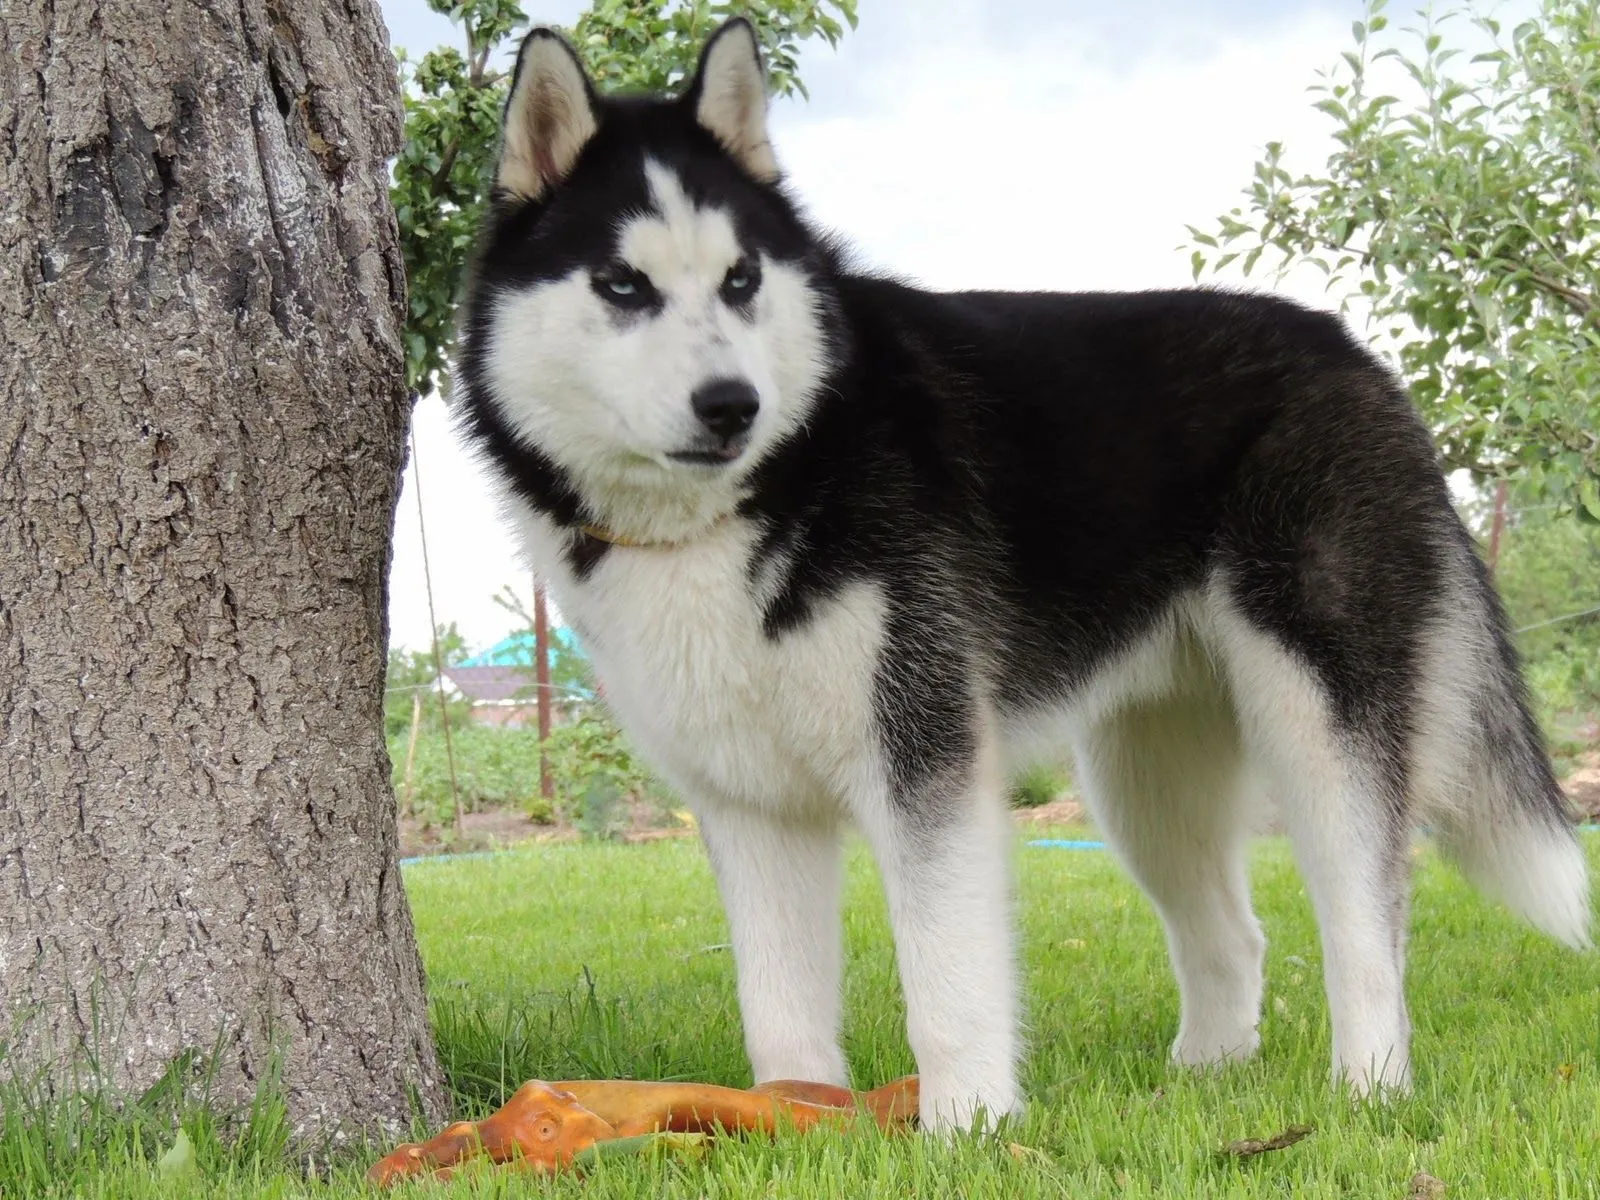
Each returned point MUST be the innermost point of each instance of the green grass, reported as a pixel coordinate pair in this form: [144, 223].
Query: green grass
[609, 960]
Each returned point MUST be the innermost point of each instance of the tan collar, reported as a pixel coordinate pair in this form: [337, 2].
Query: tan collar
[611, 537]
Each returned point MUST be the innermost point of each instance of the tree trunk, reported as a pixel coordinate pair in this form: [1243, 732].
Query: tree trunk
[202, 415]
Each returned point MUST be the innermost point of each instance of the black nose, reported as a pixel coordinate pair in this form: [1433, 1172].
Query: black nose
[727, 407]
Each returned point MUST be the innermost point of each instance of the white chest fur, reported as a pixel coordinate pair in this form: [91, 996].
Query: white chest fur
[727, 714]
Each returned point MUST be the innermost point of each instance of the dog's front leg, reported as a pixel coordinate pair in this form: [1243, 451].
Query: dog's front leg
[942, 841]
[780, 887]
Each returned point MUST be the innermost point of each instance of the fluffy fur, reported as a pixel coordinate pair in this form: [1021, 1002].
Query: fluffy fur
[843, 550]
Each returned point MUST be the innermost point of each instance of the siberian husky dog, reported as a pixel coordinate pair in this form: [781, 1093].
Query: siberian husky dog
[844, 550]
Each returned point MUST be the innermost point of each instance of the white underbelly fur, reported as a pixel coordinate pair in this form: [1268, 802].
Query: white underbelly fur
[725, 713]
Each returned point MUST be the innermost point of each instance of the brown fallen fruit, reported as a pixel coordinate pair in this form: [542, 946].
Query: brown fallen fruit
[544, 1126]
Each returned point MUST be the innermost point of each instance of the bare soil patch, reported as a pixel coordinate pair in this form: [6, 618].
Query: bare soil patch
[1063, 810]
[1583, 785]
[497, 829]
[501, 828]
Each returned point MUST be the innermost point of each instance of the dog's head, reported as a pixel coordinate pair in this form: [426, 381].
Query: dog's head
[648, 312]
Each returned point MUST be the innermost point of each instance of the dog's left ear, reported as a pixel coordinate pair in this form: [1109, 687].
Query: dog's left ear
[729, 98]
[550, 116]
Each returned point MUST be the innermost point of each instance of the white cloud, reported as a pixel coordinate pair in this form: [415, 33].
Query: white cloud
[1039, 167]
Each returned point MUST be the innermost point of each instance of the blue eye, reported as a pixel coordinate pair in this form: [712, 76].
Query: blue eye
[741, 281]
[622, 286]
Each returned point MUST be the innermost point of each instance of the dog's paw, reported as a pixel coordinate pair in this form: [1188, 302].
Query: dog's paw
[955, 1106]
[1375, 1080]
[1215, 1047]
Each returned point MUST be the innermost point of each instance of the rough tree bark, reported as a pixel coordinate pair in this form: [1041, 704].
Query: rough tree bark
[201, 424]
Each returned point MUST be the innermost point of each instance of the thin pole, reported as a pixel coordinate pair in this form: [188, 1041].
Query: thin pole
[433, 624]
[411, 749]
[541, 654]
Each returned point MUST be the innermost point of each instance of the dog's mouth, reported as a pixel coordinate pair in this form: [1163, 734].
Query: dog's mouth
[712, 456]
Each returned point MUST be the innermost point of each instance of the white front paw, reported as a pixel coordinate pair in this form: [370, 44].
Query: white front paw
[951, 1103]
[1205, 1047]
[1381, 1074]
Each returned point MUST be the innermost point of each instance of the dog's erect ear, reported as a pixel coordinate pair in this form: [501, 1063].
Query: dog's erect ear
[549, 116]
[729, 97]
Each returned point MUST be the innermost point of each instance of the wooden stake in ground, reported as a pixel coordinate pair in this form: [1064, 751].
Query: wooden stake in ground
[411, 749]
[541, 652]
[202, 414]
[1497, 528]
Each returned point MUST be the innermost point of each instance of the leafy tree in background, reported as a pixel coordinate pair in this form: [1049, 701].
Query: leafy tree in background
[411, 674]
[1466, 216]
[453, 104]
[1549, 575]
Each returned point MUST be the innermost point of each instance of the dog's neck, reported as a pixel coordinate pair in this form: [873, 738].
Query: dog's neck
[666, 513]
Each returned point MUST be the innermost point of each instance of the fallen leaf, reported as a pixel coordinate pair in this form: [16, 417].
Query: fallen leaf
[1566, 1071]
[179, 1158]
[1074, 943]
[1250, 1147]
[1425, 1187]
[1026, 1153]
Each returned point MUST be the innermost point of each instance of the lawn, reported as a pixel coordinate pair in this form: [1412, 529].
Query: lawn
[608, 960]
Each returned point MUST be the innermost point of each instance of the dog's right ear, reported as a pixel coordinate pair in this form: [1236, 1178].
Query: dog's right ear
[550, 116]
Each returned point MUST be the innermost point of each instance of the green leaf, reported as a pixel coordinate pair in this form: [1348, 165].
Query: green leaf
[1589, 496]
[179, 1160]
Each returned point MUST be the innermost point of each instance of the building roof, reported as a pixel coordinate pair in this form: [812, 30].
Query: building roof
[506, 670]
[518, 649]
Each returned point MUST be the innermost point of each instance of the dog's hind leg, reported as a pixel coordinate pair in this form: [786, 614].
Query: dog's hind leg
[1162, 779]
[1346, 814]
[780, 887]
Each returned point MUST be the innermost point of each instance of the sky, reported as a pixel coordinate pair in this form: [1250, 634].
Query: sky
[1051, 144]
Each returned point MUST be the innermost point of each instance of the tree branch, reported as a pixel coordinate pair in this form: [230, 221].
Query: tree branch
[476, 68]
[446, 160]
[1583, 303]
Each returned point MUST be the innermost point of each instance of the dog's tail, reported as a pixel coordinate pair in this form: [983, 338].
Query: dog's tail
[1485, 778]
